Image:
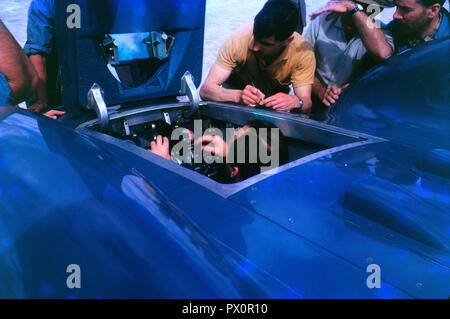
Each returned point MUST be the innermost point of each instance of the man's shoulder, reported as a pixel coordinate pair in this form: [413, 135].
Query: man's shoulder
[323, 23]
[444, 29]
[300, 44]
[243, 33]
[42, 7]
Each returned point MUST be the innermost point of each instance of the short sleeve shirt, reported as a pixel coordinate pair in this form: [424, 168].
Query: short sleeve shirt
[295, 65]
[5, 92]
[338, 62]
[40, 28]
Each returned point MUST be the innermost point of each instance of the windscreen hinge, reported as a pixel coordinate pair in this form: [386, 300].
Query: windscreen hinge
[96, 101]
[188, 88]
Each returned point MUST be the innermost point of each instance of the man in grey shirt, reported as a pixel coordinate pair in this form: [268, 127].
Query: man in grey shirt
[340, 45]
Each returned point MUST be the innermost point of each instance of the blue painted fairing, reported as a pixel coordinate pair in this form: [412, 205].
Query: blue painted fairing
[66, 201]
[307, 244]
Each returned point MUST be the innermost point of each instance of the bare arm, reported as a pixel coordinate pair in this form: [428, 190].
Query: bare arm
[373, 38]
[16, 67]
[318, 88]
[212, 88]
[39, 63]
[304, 92]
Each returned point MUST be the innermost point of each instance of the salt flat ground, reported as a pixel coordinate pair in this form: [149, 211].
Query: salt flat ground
[222, 18]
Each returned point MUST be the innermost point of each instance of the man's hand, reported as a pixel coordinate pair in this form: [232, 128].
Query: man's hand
[160, 147]
[252, 96]
[335, 7]
[53, 114]
[282, 102]
[216, 145]
[331, 94]
[38, 107]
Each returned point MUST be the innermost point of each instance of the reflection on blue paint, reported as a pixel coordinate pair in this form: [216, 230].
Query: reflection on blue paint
[46, 290]
[386, 291]
[267, 115]
[139, 15]
[3, 164]
[6, 242]
[245, 268]
[289, 294]
[14, 192]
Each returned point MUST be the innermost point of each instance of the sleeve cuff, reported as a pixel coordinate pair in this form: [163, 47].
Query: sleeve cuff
[224, 65]
[32, 49]
[300, 84]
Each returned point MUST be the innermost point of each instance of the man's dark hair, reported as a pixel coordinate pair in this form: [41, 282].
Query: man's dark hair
[427, 3]
[278, 18]
[249, 168]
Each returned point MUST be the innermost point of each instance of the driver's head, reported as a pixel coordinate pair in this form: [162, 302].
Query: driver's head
[274, 27]
[413, 17]
[257, 146]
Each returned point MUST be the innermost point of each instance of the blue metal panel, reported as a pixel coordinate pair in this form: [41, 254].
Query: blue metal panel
[309, 201]
[312, 269]
[63, 201]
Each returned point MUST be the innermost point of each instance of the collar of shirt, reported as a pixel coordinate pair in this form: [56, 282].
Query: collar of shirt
[429, 37]
[433, 33]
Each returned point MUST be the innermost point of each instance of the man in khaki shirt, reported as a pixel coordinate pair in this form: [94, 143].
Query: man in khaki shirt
[265, 58]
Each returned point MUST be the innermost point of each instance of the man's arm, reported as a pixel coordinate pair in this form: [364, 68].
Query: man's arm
[373, 38]
[304, 93]
[318, 88]
[39, 63]
[212, 89]
[15, 66]
[40, 43]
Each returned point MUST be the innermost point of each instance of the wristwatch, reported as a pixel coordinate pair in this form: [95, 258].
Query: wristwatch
[299, 109]
[357, 8]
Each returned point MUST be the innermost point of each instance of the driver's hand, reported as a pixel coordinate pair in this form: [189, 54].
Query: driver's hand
[215, 145]
[160, 147]
[53, 114]
[252, 96]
